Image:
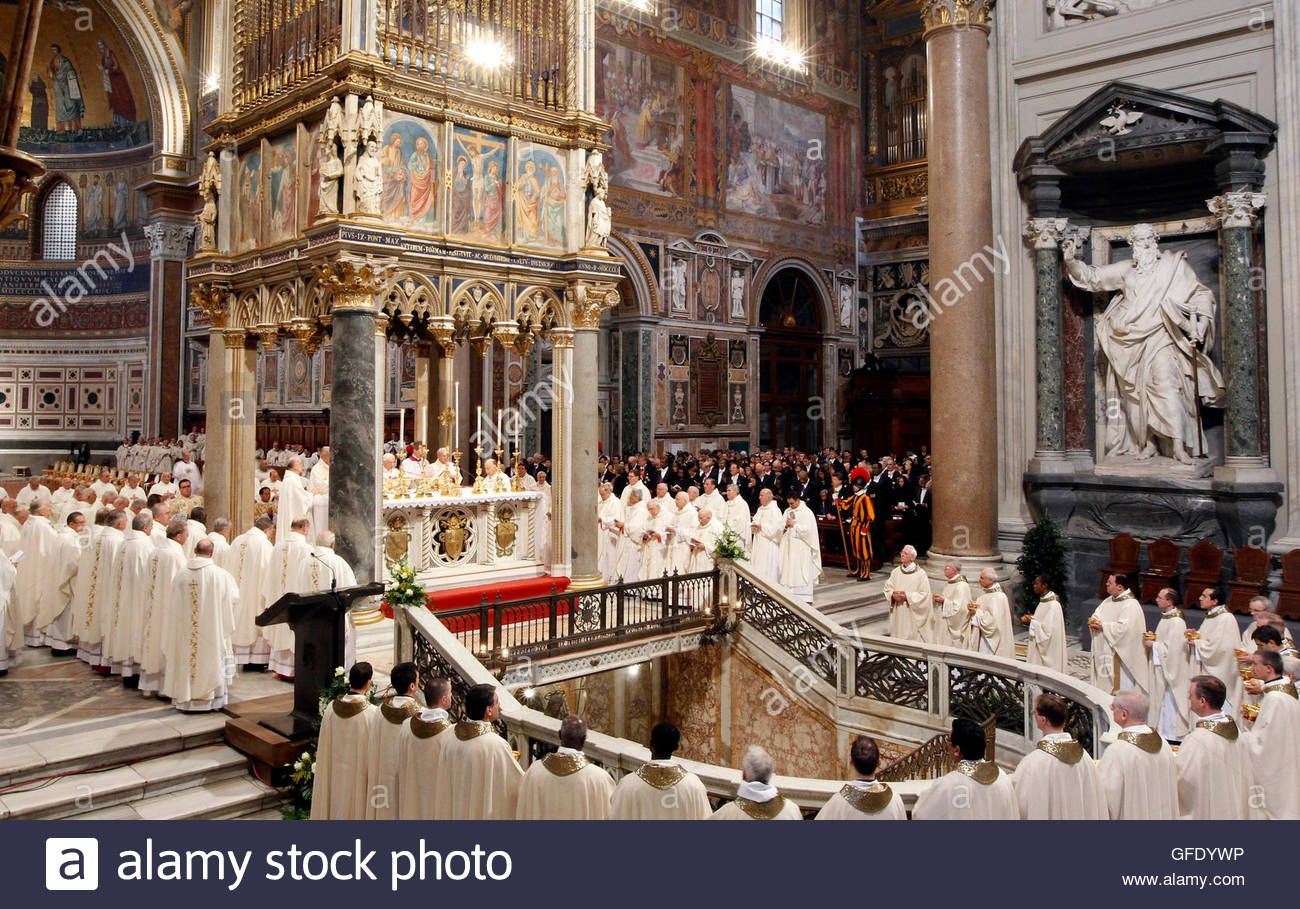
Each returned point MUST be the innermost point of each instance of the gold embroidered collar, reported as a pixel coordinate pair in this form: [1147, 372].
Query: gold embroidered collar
[564, 764]
[1147, 741]
[346, 710]
[761, 811]
[398, 715]
[1122, 595]
[1216, 611]
[1048, 597]
[1284, 684]
[1226, 727]
[1175, 614]
[981, 772]
[427, 729]
[870, 800]
[662, 776]
[1066, 752]
[471, 729]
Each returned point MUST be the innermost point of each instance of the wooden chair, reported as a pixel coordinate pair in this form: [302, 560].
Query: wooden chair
[1123, 560]
[1288, 592]
[1251, 577]
[1204, 569]
[1163, 556]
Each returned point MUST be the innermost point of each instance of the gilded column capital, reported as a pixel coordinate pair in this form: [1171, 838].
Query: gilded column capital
[1045, 233]
[352, 283]
[941, 14]
[1237, 209]
[562, 339]
[214, 301]
[588, 302]
[444, 336]
[234, 339]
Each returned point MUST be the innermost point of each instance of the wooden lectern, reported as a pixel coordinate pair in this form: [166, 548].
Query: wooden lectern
[317, 620]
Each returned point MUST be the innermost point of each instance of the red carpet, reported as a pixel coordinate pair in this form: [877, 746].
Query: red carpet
[464, 597]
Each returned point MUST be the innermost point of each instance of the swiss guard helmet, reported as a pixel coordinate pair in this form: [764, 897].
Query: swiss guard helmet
[859, 477]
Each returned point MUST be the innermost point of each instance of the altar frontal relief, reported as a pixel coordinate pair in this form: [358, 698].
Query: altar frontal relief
[540, 197]
[776, 165]
[478, 186]
[642, 97]
[412, 168]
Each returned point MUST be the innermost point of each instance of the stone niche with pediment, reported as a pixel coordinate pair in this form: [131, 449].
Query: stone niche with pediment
[1194, 170]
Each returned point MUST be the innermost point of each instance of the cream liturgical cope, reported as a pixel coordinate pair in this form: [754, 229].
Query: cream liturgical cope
[975, 791]
[1119, 660]
[1047, 634]
[758, 802]
[863, 800]
[1216, 647]
[565, 786]
[1273, 745]
[1214, 772]
[37, 541]
[339, 788]
[248, 561]
[956, 616]
[294, 503]
[56, 619]
[289, 557]
[419, 764]
[608, 511]
[1139, 776]
[993, 619]
[200, 619]
[123, 643]
[661, 790]
[1170, 675]
[163, 565]
[1058, 781]
[800, 553]
[479, 778]
[383, 782]
[910, 620]
[765, 544]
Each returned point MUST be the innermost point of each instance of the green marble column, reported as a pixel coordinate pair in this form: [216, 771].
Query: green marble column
[1043, 235]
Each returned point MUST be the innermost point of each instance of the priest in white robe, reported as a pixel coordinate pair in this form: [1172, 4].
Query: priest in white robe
[318, 487]
[166, 561]
[565, 786]
[1274, 739]
[631, 546]
[495, 481]
[248, 562]
[289, 557]
[1261, 613]
[37, 543]
[756, 798]
[800, 552]
[121, 644]
[704, 541]
[954, 610]
[976, 791]
[295, 500]
[1138, 771]
[220, 536]
[1215, 644]
[662, 790]
[766, 528]
[10, 530]
[1058, 780]
[634, 484]
[1046, 629]
[685, 519]
[656, 548]
[863, 798]
[480, 778]
[32, 493]
[88, 621]
[911, 600]
[383, 784]
[735, 516]
[712, 498]
[609, 520]
[56, 619]
[1171, 671]
[10, 637]
[1214, 777]
[991, 615]
[199, 622]
[339, 783]
[61, 499]
[419, 760]
[1119, 659]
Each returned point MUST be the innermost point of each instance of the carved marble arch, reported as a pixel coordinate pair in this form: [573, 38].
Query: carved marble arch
[247, 311]
[280, 305]
[412, 301]
[824, 298]
[537, 310]
[644, 284]
[475, 307]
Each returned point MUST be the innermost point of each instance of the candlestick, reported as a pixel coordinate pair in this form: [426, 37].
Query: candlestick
[498, 438]
[455, 419]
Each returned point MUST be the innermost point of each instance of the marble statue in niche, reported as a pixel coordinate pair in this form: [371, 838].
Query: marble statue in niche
[677, 286]
[209, 189]
[331, 172]
[679, 402]
[369, 180]
[737, 294]
[846, 305]
[1063, 13]
[1154, 340]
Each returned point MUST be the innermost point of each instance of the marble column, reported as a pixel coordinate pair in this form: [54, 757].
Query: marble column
[1044, 237]
[423, 423]
[231, 427]
[1237, 213]
[442, 416]
[963, 377]
[169, 238]
[562, 461]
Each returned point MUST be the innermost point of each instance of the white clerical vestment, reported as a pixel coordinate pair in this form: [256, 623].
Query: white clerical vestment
[1216, 650]
[135, 492]
[28, 497]
[9, 631]
[1273, 745]
[656, 553]
[565, 786]
[758, 802]
[1047, 634]
[910, 620]
[863, 800]
[339, 787]
[685, 520]
[37, 543]
[88, 622]
[294, 503]
[1058, 781]
[1170, 674]
[661, 790]
[121, 643]
[608, 511]
[993, 619]
[1214, 782]
[1140, 777]
[706, 535]
[56, 617]
[480, 778]
[638, 486]
[1119, 660]
[800, 553]
[419, 762]
[631, 548]
[165, 562]
[714, 502]
[768, 527]
[736, 516]
[63, 497]
[200, 619]
[248, 561]
[975, 791]
[289, 556]
[957, 616]
[10, 533]
[383, 785]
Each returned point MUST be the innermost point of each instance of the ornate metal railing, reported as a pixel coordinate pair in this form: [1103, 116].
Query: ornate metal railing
[783, 626]
[557, 623]
[934, 758]
[979, 695]
[893, 679]
[281, 43]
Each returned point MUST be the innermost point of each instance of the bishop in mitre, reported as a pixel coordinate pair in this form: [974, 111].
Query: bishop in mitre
[911, 601]
[479, 777]
[339, 785]
[1138, 771]
[1274, 739]
[565, 786]
[756, 798]
[1214, 781]
[164, 563]
[248, 561]
[609, 520]
[662, 790]
[1215, 643]
[1058, 781]
[954, 611]
[976, 791]
[199, 623]
[383, 784]
[863, 798]
[1046, 629]
[1170, 669]
[800, 552]
[288, 557]
[1119, 659]
[419, 761]
[766, 529]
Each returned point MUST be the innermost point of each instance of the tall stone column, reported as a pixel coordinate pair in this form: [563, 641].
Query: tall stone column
[442, 415]
[963, 377]
[169, 238]
[562, 459]
[241, 375]
[1044, 237]
[423, 424]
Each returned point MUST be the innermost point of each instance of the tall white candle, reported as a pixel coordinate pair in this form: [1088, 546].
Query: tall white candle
[455, 420]
[478, 424]
[499, 436]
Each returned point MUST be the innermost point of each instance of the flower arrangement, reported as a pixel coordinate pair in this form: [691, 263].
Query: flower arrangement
[403, 589]
[730, 546]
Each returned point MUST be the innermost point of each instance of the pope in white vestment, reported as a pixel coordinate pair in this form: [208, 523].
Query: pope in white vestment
[247, 561]
[1214, 782]
[1119, 660]
[911, 601]
[993, 618]
[1170, 670]
[1047, 633]
[339, 785]
[954, 603]
[1273, 744]
[764, 547]
[199, 622]
[800, 552]
[1138, 771]
[383, 785]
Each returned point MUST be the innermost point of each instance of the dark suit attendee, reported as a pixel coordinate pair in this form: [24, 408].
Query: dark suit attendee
[921, 533]
[83, 454]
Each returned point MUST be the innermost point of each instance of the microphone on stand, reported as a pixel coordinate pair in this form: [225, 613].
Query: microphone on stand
[333, 577]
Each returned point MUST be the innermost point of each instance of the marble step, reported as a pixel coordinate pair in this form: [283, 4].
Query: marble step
[76, 750]
[239, 797]
[83, 794]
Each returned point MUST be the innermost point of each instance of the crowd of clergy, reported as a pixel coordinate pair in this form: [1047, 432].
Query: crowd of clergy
[157, 455]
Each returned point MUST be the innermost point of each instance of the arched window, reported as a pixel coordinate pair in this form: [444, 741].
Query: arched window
[59, 218]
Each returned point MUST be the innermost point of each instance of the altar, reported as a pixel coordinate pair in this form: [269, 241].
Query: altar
[454, 540]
